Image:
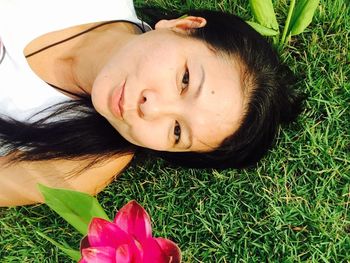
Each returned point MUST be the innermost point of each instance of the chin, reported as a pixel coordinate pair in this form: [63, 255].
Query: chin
[100, 105]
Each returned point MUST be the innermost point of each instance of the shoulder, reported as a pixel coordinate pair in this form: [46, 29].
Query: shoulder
[95, 179]
[19, 181]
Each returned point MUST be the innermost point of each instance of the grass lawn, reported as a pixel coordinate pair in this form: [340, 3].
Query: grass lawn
[294, 207]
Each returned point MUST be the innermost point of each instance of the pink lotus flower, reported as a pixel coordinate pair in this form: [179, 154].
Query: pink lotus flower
[128, 239]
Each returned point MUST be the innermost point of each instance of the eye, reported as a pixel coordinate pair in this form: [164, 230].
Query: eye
[177, 132]
[185, 81]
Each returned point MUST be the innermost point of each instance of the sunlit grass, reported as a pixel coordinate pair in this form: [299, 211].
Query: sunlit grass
[293, 208]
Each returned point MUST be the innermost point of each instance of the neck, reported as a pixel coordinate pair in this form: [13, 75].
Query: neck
[86, 60]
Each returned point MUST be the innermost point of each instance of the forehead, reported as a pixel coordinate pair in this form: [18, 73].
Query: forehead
[218, 111]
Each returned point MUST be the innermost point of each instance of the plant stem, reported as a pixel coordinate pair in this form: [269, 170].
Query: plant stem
[286, 26]
[276, 40]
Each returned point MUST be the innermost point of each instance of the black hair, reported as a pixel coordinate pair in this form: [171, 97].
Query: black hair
[72, 130]
[271, 101]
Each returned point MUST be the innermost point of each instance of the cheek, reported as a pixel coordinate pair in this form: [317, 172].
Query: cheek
[159, 63]
[149, 136]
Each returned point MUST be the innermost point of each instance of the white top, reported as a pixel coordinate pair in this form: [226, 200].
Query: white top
[22, 92]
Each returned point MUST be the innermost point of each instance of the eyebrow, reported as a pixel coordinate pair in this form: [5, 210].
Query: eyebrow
[200, 87]
[190, 139]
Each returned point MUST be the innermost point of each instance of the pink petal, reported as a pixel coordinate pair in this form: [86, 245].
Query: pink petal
[103, 233]
[99, 255]
[170, 249]
[134, 220]
[152, 252]
[123, 254]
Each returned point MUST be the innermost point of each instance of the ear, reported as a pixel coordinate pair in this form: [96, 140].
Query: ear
[182, 24]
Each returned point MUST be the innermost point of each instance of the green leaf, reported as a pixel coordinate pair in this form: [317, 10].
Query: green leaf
[302, 16]
[264, 13]
[74, 254]
[263, 30]
[76, 208]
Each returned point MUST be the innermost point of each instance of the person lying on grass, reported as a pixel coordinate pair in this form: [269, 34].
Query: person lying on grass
[204, 90]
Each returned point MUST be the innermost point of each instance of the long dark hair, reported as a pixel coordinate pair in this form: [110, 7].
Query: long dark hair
[76, 131]
[72, 130]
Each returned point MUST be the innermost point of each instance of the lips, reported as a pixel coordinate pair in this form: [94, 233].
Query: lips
[117, 101]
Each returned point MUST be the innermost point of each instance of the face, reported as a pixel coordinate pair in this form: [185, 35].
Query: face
[169, 92]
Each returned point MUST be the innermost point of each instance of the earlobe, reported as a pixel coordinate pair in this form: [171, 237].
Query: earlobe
[185, 23]
[163, 24]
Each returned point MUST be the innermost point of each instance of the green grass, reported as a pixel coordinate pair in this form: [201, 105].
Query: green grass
[293, 208]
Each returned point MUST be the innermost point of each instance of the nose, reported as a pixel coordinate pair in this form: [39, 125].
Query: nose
[153, 105]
